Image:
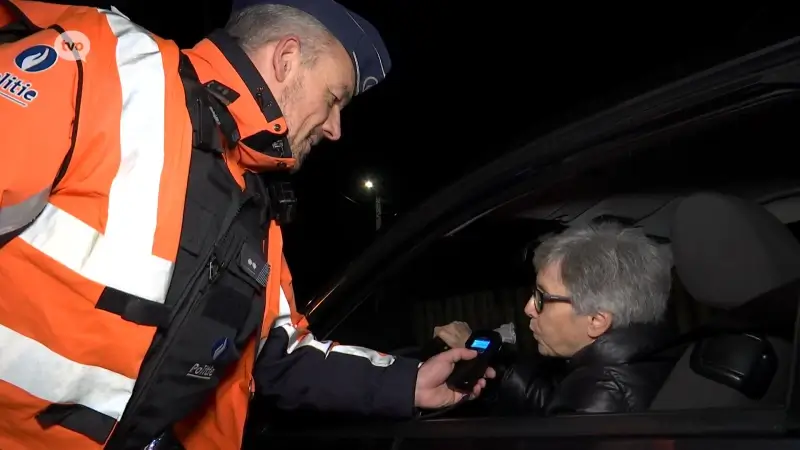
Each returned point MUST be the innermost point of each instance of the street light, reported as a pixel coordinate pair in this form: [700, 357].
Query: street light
[371, 187]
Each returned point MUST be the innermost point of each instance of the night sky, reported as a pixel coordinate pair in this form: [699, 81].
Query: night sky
[470, 81]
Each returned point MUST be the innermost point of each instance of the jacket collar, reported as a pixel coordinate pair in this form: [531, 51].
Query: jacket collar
[258, 118]
[619, 346]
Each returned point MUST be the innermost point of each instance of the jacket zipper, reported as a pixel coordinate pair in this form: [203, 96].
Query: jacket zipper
[165, 342]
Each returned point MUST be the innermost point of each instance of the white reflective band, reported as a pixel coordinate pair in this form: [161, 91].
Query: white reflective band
[284, 318]
[375, 358]
[122, 257]
[327, 347]
[308, 340]
[49, 376]
[133, 198]
[14, 217]
[82, 249]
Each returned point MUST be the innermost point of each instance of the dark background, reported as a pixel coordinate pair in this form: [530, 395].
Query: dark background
[469, 82]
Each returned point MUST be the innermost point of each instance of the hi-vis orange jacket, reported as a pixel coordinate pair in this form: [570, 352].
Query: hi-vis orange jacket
[143, 287]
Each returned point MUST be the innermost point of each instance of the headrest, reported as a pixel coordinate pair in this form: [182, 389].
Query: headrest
[728, 251]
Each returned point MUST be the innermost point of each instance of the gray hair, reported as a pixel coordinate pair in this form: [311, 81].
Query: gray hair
[259, 25]
[613, 269]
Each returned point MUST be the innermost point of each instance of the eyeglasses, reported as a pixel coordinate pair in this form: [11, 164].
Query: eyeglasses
[541, 297]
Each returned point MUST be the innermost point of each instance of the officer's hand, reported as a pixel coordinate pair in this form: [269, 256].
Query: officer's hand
[431, 391]
[455, 334]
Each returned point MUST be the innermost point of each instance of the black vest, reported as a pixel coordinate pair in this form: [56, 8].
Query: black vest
[216, 298]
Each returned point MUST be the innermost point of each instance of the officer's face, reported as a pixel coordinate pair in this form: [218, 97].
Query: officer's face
[312, 96]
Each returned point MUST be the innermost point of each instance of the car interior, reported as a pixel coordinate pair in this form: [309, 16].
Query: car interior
[697, 191]
[481, 273]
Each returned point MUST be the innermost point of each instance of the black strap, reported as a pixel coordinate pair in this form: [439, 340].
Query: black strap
[208, 102]
[78, 418]
[205, 104]
[133, 309]
[270, 142]
[252, 78]
[284, 202]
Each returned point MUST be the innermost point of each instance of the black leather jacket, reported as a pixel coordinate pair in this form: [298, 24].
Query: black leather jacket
[603, 377]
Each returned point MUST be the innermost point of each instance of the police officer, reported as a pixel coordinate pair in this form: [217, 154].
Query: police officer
[143, 289]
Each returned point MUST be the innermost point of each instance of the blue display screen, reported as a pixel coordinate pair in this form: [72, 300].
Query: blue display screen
[480, 344]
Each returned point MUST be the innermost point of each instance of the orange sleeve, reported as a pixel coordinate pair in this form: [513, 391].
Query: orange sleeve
[38, 116]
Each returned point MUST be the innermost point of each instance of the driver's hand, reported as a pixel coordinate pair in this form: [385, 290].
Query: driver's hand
[455, 334]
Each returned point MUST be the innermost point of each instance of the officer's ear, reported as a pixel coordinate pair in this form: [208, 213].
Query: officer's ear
[286, 57]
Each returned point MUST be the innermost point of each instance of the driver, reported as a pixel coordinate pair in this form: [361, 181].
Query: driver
[599, 302]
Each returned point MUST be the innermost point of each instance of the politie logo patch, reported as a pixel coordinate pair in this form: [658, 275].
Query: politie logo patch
[36, 59]
[16, 90]
[219, 348]
[32, 60]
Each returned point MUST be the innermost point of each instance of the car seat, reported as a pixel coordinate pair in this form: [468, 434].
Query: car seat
[734, 256]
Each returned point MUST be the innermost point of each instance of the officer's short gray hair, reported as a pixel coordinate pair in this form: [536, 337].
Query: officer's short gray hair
[259, 25]
[609, 268]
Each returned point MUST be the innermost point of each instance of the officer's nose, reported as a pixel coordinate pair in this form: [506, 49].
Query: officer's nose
[333, 126]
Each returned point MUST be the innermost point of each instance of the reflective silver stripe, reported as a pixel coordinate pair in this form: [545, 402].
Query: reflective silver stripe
[84, 250]
[297, 341]
[375, 358]
[45, 374]
[14, 217]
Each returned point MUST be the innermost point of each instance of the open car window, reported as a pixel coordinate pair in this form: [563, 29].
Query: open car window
[479, 276]
[482, 274]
